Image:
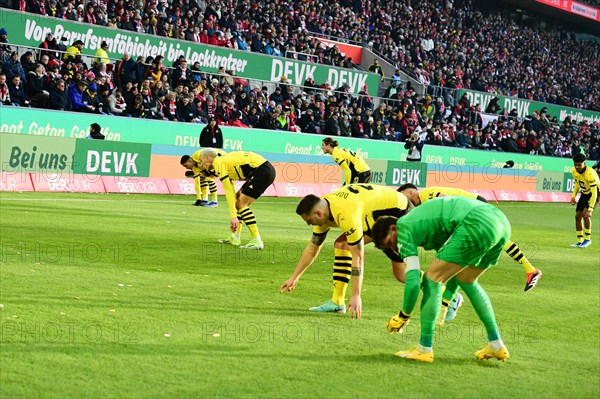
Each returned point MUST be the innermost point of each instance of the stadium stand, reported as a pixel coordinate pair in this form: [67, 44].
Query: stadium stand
[472, 50]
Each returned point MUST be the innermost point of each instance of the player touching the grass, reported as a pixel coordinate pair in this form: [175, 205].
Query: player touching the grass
[418, 197]
[353, 208]
[258, 174]
[468, 237]
[586, 180]
[355, 168]
[202, 183]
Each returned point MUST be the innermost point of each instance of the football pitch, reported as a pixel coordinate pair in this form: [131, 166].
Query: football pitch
[131, 296]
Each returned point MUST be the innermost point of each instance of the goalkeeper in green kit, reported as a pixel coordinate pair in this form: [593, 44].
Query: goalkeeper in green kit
[469, 237]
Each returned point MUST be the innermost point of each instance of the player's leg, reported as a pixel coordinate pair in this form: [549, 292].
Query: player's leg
[246, 215]
[494, 231]
[451, 301]
[533, 274]
[254, 187]
[587, 222]
[198, 189]
[587, 232]
[212, 188]
[578, 227]
[582, 203]
[342, 269]
[480, 301]
[438, 273]
[203, 189]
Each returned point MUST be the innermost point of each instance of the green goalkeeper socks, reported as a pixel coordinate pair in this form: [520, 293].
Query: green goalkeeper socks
[451, 290]
[483, 307]
[430, 309]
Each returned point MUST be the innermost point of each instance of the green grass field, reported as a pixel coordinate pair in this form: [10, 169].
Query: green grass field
[130, 296]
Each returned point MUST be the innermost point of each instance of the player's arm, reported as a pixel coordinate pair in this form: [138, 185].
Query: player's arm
[593, 185]
[345, 168]
[575, 191]
[307, 258]
[358, 262]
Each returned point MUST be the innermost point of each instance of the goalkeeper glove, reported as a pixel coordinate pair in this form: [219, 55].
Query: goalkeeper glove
[397, 323]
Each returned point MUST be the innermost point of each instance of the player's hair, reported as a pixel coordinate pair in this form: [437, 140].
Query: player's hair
[208, 152]
[330, 141]
[406, 186]
[579, 157]
[381, 228]
[306, 204]
[184, 159]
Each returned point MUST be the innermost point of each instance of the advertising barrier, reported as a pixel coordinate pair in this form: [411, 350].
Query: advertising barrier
[574, 7]
[15, 182]
[31, 29]
[526, 107]
[42, 163]
[46, 123]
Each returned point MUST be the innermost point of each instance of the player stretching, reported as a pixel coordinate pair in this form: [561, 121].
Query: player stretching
[355, 168]
[512, 249]
[258, 173]
[468, 237]
[353, 208]
[586, 180]
[202, 184]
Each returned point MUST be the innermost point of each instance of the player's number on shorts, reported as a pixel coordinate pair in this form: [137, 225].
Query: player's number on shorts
[354, 189]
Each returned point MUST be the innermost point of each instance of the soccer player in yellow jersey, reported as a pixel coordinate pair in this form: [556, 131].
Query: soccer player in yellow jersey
[355, 168]
[586, 180]
[202, 183]
[258, 173]
[419, 197]
[354, 209]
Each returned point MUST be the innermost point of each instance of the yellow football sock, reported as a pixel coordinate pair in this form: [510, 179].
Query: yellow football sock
[580, 235]
[342, 269]
[514, 252]
[197, 188]
[587, 233]
[212, 187]
[250, 221]
[204, 189]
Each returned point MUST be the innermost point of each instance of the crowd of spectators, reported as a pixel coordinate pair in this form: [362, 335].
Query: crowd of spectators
[146, 88]
[440, 42]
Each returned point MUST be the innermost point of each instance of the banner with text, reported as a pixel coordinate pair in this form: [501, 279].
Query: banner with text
[108, 158]
[30, 30]
[36, 122]
[399, 173]
[526, 107]
[48, 156]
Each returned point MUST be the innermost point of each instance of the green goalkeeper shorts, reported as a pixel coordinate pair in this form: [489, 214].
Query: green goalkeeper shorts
[478, 240]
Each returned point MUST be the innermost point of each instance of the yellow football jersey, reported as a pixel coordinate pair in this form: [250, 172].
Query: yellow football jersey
[355, 207]
[349, 162]
[588, 182]
[236, 165]
[433, 192]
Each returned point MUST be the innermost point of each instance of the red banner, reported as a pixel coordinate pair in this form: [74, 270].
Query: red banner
[504, 195]
[15, 182]
[68, 183]
[181, 186]
[487, 194]
[297, 189]
[574, 7]
[135, 185]
[349, 50]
